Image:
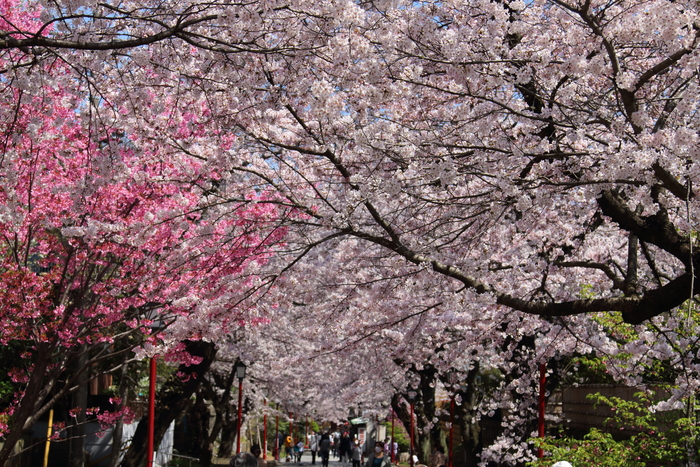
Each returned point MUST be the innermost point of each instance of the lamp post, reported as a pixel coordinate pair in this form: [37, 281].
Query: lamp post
[452, 424]
[156, 326]
[411, 399]
[541, 406]
[393, 439]
[264, 449]
[240, 374]
[277, 434]
[151, 411]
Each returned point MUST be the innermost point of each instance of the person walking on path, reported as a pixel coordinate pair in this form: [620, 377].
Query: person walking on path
[313, 446]
[336, 445]
[356, 454]
[289, 447]
[391, 447]
[299, 451]
[279, 443]
[378, 458]
[324, 449]
[344, 448]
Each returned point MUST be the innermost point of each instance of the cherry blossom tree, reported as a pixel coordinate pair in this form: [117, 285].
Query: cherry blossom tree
[412, 138]
[103, 234]
[488, 171]
[523, 152]
[396, 124]
[408, 132]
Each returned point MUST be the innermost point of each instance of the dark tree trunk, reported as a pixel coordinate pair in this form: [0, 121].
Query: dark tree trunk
[26, 413]
[466, 413]
[222, 409]
[172, 399]
[228, 435]
[199, 422]
[118, 430]
[79, 404]
[427, 438]
[424, 412]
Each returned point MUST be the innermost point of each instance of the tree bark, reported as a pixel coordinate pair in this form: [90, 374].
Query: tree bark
[466, 413]
[424, 413]
[118, 430]
[172, 399]
[225, 422]
[26, 413]
[200, 431]
[79, 405]
[228, 436]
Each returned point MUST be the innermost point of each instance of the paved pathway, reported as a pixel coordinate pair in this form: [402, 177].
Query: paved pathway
[305, 461]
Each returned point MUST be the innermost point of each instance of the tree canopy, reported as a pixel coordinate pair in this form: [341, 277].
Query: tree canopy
[431, 186]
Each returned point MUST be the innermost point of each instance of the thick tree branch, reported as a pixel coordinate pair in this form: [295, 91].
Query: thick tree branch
[634, 309]
[670, 182]
[656, 229]
[9, 42]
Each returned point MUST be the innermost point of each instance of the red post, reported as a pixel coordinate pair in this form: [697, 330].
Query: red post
[452, 423]
[264, 449]
[151, 412]
[411, 436]
[240, 415]
[277, 434]
[543, 381]
[306, 434]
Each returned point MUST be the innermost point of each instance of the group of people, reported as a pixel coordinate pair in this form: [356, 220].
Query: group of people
[349, 452]
[381, 457]
[293, 451]
[336, 444]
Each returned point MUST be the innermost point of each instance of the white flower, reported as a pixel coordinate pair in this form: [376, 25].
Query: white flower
[626, 81]
[73, 231]
[517, 5]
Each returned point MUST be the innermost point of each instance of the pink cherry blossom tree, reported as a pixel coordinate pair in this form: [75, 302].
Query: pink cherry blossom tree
[103, 234]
